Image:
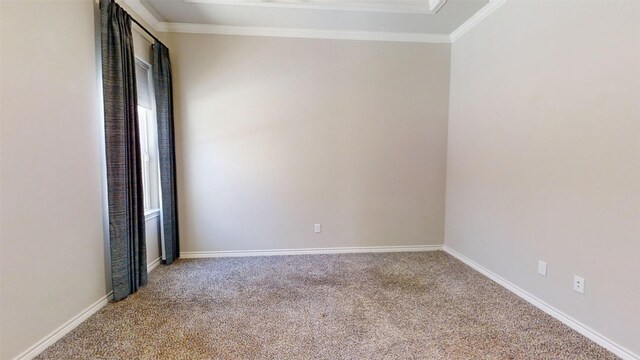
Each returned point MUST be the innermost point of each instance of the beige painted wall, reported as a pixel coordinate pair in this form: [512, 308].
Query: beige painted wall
[544, 155]
[52, 258]
[51, 234]
[276, 134]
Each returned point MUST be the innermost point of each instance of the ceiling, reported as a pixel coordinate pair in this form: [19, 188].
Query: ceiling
[391, 20]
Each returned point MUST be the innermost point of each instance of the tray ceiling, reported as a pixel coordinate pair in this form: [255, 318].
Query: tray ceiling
[392, 6]
[385, 20]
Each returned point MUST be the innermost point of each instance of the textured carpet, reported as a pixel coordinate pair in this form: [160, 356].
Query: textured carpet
[424, 305]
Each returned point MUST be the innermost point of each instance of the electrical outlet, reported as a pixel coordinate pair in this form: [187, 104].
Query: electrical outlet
[542, 268]
[578, 284]
[318, 228]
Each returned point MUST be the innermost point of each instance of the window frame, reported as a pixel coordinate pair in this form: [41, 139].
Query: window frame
[149, 164]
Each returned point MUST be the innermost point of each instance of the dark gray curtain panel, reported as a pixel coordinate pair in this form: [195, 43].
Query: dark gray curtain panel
[122, 142]
[162, 82]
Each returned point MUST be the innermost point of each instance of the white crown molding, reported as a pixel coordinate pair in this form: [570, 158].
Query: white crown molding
[576, 325]
[64, 329]
[436, 5]
[310, 251]
[305, 33]
[474, 20]
[157, 25]
[405, 7]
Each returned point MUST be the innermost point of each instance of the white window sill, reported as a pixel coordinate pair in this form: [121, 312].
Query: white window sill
[151, 214]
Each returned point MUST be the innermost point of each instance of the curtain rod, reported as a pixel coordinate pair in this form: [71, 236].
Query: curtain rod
[145, 29]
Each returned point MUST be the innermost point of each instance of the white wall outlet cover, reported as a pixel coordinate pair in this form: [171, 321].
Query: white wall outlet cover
[318, 228]
[578, 284]
[542, 268]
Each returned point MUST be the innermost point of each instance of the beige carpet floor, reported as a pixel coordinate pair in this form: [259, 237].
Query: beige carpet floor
[424, 305]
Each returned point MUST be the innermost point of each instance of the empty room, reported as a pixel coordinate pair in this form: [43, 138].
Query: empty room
[319, 179]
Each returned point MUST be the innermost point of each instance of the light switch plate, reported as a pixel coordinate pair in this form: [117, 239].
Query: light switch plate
[578, 284]
[542, 268]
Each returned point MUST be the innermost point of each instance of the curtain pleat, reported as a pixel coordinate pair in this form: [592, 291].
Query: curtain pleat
[162, 81]
[122, 150]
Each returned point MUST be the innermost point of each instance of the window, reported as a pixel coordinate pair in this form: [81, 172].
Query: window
[148, 136]
[143, 116]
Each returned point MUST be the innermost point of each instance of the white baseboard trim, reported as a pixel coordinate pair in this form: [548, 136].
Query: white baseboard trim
[557, 314]
[64, 329]
[154, 264]
[311, 251]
